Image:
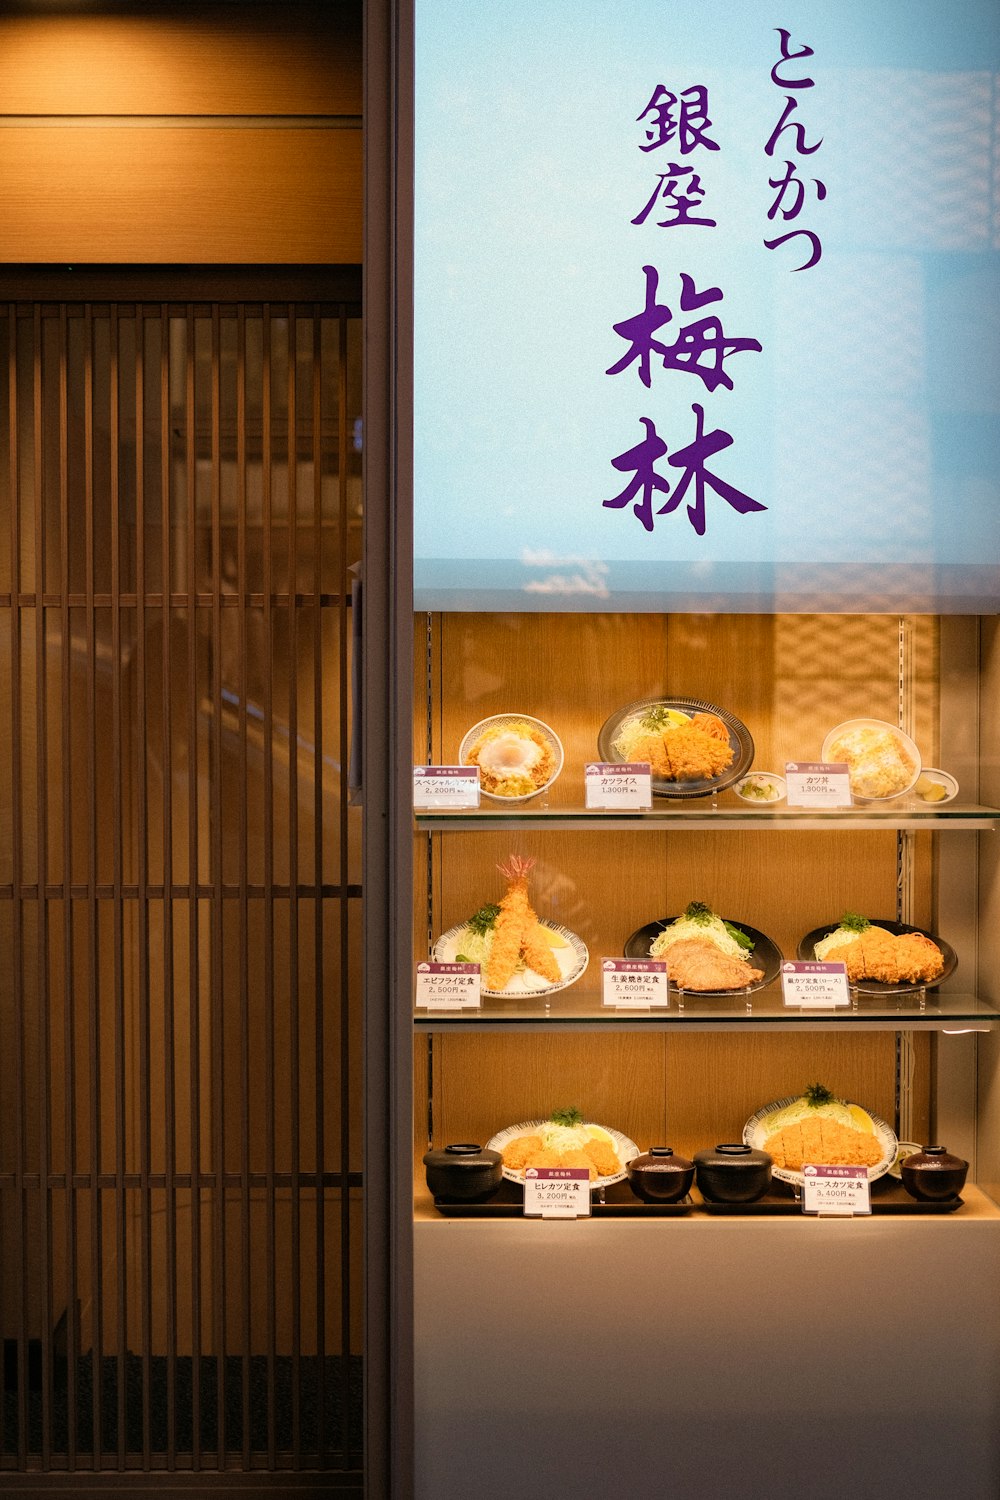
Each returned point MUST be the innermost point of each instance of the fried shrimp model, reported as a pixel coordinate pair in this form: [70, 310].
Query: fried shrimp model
[518, 935]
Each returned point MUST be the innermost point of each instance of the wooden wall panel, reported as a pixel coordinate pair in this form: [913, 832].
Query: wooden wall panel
[174, 194]
[102, 159]
[246, 60]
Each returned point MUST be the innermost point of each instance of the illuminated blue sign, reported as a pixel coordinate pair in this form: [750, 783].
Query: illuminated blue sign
[707, 309]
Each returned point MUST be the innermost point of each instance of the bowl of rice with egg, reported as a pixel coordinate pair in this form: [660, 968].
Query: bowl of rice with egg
[518, 756]
[882, 761]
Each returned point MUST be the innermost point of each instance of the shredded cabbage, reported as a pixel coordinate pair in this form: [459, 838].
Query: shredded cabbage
[689, 927]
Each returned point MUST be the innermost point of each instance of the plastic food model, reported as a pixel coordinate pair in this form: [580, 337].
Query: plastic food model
[871, 952]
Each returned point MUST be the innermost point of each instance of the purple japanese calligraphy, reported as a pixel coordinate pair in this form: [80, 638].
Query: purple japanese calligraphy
[682, 122]
[692, 460]
[697, 344]
[791, 190]
[703, 338]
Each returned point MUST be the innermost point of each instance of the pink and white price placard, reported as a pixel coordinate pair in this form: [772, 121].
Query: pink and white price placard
[448, 986]
[815, 986]
[836, 1190]
[624, 786]
[445, 786]
[556, 1192]
[634, 983]
[817, 784]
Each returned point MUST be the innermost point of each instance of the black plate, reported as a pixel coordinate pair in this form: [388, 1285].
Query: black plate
[807, 950]
[765, 954]
[739, 740]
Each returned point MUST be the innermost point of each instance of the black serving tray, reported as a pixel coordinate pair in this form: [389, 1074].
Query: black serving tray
[888, 1197]
[617, 1201]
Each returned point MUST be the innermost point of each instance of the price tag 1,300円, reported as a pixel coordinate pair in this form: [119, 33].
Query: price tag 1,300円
[817, 784]
[625, 786]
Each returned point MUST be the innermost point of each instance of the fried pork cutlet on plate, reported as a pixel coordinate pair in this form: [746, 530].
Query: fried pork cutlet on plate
[885, 957]
[601, 1150]
[823, 1142]
[797, 1132]
[693, 748]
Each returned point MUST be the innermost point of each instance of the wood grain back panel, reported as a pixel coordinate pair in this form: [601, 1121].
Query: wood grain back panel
[168, 194]
[254, 60]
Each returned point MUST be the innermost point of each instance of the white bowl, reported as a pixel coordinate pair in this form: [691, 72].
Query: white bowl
[772, 778]
[945, 779]
[555, 744]
[826, 754]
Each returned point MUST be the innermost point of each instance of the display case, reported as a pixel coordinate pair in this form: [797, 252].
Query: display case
[676, 1310]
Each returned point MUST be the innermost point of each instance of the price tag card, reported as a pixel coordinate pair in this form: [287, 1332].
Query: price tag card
[814, 985]
[836, 1190]
[623, 786]
[817, 784]
[448, 986]
[556, 1192]
[445, 786]
[635, 983]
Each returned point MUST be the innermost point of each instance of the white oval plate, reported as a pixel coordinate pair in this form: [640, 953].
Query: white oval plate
[756, 1130]
[904, 739]
[572, 960]
[555, 744]
[626, 1149]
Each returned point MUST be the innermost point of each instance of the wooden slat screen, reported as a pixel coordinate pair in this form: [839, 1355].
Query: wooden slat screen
[180, 1183]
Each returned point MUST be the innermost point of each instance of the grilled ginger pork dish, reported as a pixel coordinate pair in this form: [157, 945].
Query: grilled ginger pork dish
[704, 952]
[697, 964]
[871, 952]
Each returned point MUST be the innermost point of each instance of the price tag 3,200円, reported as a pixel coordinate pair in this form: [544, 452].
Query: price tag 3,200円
[556, 1192]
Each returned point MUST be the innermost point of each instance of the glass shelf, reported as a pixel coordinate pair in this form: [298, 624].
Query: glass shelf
[945, 1011]
[719, 815]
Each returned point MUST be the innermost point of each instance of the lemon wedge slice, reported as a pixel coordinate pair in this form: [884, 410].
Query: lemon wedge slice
[598, 1133]
[554, 939]
[862, 1119]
